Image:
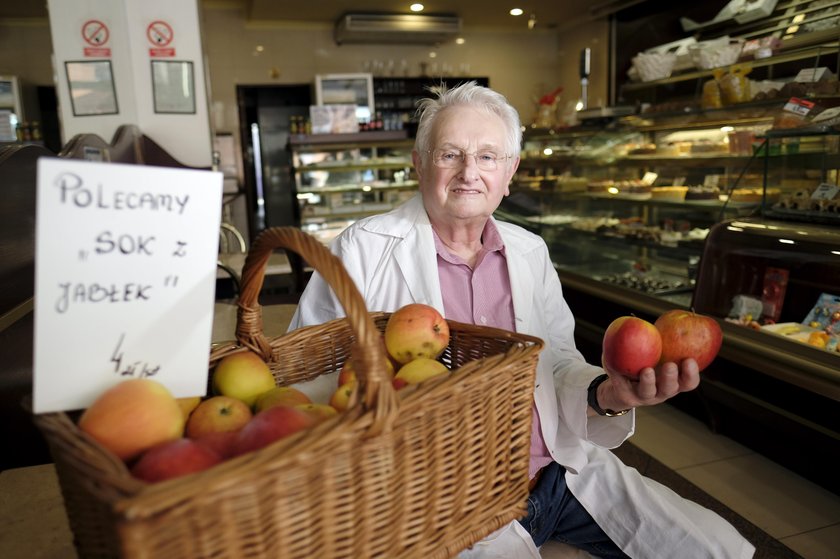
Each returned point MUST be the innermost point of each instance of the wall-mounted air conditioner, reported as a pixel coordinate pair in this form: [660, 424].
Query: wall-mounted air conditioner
[396, 28]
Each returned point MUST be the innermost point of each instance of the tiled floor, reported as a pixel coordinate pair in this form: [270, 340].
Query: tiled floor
[798, 513]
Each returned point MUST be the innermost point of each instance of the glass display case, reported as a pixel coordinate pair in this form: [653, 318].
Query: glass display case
[621, 207]
[340, 178]
[760, 253]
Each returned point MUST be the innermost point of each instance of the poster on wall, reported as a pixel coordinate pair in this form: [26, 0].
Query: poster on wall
[173, 85]
[91, 84]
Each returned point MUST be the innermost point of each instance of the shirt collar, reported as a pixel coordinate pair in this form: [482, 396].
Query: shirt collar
[491, 242]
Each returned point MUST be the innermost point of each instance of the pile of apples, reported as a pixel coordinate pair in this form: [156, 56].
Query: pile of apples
[161, 437]
[631, 344]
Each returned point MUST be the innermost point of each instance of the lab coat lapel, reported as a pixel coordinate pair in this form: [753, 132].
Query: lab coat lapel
[521, 286]
[417, 259]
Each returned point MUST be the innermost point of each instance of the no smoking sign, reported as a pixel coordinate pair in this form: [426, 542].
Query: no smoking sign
[160, 35]
[96, 34]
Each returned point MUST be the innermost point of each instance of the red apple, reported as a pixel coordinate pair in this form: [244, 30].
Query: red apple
[688, 334]
[416, 330]
[173, 459]
[280, 396]
[216, 415]
[630, 345]
[242, 375]
[133, 416]
[222, 443]
[418, 370]
[271, 425]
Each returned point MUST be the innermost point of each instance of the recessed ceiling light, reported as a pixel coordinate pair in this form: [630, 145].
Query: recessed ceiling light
[516, 12]
[460, 41]
[433, 54]
[260, 48]
[416, 7]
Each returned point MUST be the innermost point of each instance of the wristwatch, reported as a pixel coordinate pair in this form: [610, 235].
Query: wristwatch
[592, 398]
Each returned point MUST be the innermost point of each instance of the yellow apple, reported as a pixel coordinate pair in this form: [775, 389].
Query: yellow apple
[348, 372]
[340, 399]
[217, 415]
[242, 375]
[188, 405]
[416, 330]
[280, 396]
[418, 370]
[133, 416]
[321, 412]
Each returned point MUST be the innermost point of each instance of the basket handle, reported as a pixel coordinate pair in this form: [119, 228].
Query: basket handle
[375, 387]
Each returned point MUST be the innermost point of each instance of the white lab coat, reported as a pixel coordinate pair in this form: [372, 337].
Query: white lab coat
[392, 259]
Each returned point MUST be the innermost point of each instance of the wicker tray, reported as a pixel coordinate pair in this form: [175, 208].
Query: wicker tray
[424, 472]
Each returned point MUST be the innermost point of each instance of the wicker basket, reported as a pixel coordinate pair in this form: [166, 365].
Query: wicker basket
[424, 472]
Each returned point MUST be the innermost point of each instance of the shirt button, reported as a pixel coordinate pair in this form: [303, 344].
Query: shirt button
[484, 320]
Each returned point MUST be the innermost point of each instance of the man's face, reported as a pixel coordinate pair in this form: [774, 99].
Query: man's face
[467, 191]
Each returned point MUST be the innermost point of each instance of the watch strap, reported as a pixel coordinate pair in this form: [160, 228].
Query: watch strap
[592, 398]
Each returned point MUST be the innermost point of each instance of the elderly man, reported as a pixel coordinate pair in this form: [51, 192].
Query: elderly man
[443, 248]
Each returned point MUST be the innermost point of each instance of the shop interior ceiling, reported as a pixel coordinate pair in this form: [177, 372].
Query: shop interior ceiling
[544, 14]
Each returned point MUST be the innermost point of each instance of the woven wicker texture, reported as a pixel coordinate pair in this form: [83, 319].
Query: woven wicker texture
[425, 472]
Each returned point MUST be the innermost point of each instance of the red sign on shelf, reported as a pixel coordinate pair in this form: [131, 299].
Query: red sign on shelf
[96, 35]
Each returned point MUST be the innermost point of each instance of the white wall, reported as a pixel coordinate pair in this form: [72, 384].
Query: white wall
[128, 48]
[522, 65]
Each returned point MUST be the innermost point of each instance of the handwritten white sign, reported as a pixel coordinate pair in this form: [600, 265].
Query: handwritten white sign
[125, 274]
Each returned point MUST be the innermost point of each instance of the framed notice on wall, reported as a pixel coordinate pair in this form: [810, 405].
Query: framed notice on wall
[91, 84]
[173, 85]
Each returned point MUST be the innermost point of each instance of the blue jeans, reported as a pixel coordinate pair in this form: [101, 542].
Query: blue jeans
[554, 513]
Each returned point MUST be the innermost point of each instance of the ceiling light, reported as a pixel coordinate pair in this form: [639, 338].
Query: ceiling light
[433, 54]
[516, 12]
[460, 41]
[416, 7]
[260, 48]
[532, 21]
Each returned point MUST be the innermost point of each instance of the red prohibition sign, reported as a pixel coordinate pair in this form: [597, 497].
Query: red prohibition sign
[159, 33]
[95, 33]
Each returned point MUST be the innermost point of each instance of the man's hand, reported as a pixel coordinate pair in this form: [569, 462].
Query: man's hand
[654, 386]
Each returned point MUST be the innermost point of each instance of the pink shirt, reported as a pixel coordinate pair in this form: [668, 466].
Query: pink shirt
[482, 295]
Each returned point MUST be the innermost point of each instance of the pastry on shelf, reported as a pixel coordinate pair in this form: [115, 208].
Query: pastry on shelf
[669, 193]
[754, 195]
[702, 193]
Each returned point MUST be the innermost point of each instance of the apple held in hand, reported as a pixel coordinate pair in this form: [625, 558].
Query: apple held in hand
[242, 375]
[133, 416]
[271, 425]
[688, 334]
[418, 370]
[217, 415]
[174, 459]
[416, 330]
[630, 345]
[280, 396]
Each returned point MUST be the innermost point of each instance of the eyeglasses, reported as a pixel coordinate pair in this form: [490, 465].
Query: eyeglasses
[452, 158]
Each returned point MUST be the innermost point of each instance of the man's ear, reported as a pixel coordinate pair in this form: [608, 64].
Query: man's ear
[418, 163]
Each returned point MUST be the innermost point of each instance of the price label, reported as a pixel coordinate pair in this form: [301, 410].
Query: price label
[798, 106]
[125, 278]
[649, 178]
[711, 180]
[825, 191]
